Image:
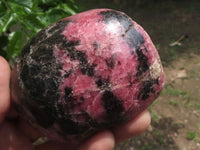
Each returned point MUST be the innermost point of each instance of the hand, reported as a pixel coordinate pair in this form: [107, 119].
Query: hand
[16, 134]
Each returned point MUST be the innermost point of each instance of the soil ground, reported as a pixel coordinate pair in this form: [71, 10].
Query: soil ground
[176, 113]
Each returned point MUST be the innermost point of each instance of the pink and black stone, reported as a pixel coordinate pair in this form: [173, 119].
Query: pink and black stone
[85, 73]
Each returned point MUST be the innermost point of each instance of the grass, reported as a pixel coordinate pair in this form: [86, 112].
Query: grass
[173, 52]
[191, 135]
[155, 116]
[197, 106]
[160, 137]
[153, 104]
[168, 90]
[145, 147]
[185, 95]
[193, 74]
[173, 102]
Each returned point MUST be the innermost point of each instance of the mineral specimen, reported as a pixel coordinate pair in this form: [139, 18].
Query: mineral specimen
[85, 73]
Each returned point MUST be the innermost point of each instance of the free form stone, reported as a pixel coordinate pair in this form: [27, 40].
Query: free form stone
[85, 73]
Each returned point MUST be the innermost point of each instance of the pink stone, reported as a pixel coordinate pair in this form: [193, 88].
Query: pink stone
[85, 73]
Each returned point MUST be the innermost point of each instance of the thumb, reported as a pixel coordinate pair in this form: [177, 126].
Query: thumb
[4, 87]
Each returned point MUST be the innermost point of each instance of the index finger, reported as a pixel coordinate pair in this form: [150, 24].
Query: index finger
[133, 127]
[4, 87]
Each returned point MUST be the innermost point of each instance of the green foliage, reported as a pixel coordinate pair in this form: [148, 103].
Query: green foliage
[22, 19]
[173, 102]
[191, 135]
[15, 43]
[155, 116]
[168, 90]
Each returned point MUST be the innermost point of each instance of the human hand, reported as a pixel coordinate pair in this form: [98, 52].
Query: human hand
[16, 134]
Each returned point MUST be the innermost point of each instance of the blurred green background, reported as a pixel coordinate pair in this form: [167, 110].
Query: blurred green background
[21, 19]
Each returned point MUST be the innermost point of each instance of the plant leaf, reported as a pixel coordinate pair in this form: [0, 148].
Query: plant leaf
[15, 44]
[2, 9]
[6, 22]
[16, 8]
[25, 3]
[54, 14]
[4, 41]
[48, 1]
[68, 9]
[32, 22]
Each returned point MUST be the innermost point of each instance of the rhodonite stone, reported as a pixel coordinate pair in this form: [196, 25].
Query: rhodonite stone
[85, 73]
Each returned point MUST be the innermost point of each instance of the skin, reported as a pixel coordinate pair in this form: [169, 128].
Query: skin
[18, 135]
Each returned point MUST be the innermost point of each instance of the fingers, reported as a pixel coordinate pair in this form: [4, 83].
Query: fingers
[34, 134]
[103, 140]
[4, 87]
[30, 132]
[53, 145]
[133, 127]
[12, 139]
